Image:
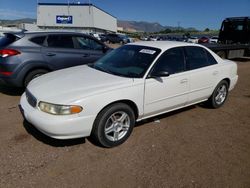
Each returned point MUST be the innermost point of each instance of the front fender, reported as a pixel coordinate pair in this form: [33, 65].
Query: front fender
[93, 105]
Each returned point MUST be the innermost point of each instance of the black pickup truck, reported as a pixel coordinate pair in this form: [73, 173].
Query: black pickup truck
[234, 38]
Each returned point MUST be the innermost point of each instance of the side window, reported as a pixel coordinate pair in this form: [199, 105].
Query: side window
[196, 57]
[60, 41]
[210, 59]
[86, 43]
[171, 61]
[38, 40]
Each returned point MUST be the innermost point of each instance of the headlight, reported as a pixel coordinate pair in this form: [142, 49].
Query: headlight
[56, 109]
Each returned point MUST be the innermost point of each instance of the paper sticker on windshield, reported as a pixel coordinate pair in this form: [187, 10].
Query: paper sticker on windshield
[147, 51]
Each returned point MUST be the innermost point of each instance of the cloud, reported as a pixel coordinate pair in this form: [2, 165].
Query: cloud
[15, 14]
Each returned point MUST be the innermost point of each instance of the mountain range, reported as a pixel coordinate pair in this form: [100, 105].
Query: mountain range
[136, 26]
[143, 26]
[18, 21]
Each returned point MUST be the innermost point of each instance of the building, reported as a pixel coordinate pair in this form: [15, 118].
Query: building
[77, 17]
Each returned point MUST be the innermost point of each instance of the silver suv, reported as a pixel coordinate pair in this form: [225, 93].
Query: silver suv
[24, 56]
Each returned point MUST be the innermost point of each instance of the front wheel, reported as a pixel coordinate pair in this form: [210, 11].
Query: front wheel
[113, 125]
[219, 95]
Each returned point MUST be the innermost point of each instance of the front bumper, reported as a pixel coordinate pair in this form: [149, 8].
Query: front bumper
[57, 126]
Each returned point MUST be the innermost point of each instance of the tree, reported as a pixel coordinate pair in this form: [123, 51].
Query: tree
[207, 30]
[166, 31]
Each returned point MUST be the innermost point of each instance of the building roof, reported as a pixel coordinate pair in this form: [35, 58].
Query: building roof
[74, 4]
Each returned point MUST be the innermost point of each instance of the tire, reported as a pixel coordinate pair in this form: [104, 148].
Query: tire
[113, 125]
[33, 74]
[219, 95]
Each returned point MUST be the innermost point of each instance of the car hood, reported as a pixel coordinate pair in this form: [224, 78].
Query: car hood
[72, 84]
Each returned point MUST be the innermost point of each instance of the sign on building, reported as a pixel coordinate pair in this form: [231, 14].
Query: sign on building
[62, 19]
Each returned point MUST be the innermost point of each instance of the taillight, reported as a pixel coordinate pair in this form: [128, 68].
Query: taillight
[8, 52]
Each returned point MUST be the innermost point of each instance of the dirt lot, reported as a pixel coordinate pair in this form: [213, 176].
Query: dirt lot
[194, 147]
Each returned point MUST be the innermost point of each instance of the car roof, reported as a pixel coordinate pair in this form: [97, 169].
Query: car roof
[44, 32]
[38, 33]
[51, 32]
[164, 45]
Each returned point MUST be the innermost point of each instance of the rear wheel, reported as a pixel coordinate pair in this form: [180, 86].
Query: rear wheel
[33, 74]
[219, 95]
[113, 125]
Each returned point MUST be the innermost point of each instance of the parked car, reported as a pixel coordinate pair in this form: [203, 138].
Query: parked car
[116, 38]
[214, 39]
[152, 38]
[192, 40]
[24, 56]
[144, 38]
[129, 84]
[96, 35]
[203, 40]
[103, 37]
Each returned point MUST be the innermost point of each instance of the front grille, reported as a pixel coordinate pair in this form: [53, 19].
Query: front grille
[30, 98]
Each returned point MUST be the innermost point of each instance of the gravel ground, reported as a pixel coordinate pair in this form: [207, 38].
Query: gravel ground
[193, 147]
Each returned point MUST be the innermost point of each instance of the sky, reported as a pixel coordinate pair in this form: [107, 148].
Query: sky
[199, 14]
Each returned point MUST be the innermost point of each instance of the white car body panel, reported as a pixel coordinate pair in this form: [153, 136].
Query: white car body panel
[202, 82]
[94, 90]
[169, 92]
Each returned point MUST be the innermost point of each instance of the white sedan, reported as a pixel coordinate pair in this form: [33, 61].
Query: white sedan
[193, 40]
[214, 39]
[131, 83]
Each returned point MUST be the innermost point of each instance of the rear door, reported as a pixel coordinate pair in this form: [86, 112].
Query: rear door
[89, 49]
[203, 71]
[59, 52]
[71, 50]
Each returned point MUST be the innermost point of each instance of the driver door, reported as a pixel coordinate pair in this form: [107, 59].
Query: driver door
[170, 91]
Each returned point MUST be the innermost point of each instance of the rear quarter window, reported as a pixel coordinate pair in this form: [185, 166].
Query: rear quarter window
[197, 57]
[38, 40]
[210, 59]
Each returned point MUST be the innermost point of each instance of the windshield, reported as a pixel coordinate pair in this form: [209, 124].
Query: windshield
[129, 61]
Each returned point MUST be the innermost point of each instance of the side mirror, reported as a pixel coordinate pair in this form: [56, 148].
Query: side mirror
[159, 74]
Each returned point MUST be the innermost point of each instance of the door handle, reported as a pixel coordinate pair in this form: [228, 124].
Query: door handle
[215, 73]
[184, 81]
[85, 55]
[50, 54]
